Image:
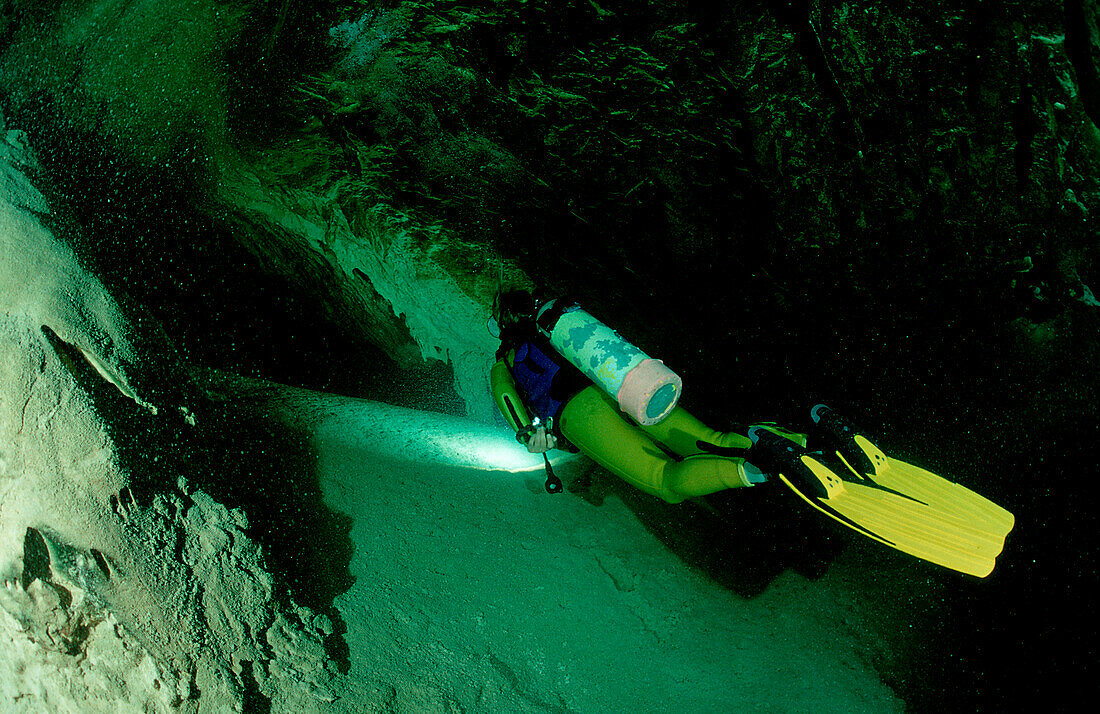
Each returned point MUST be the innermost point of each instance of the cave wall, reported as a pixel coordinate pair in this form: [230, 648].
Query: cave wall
[889, 183]
[125, 587]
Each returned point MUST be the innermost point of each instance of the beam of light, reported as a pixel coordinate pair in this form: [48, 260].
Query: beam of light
[424, 437]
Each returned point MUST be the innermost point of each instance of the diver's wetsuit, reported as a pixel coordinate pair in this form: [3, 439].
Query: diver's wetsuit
[664, 459]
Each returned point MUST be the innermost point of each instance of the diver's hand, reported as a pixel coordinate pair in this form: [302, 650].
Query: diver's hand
[541, 441]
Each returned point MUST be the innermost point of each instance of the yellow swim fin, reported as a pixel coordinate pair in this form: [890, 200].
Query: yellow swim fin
[936, 491]
[867, 461]
[909, 509]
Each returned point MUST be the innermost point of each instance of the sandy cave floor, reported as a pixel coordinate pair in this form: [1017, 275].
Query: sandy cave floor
[477, 588]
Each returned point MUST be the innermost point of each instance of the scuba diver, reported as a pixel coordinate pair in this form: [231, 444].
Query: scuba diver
[563, 379]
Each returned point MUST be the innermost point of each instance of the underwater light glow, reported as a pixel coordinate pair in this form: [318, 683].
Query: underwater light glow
[426, 437]
[509, 458]
[486, 448]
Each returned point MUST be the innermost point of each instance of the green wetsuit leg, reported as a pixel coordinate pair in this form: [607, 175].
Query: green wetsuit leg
[592, 421]
[680, 432]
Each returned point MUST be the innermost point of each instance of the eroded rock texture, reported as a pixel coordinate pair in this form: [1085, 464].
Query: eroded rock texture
[123, 587]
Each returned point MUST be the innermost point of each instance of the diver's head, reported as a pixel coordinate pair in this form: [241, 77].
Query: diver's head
[513, 310]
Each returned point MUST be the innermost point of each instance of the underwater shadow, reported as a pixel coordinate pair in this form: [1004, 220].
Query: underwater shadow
[268, 470]
[243, 461]
[741, 539]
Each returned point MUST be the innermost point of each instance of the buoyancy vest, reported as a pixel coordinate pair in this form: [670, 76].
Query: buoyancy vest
[534, 371]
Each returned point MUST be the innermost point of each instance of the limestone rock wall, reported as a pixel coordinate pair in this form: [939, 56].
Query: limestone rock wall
[123, 587]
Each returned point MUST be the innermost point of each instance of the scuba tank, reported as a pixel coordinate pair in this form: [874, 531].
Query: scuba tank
[644, 387]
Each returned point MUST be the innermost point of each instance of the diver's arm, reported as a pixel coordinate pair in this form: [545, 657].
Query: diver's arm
[530, 432]
[506, 396]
